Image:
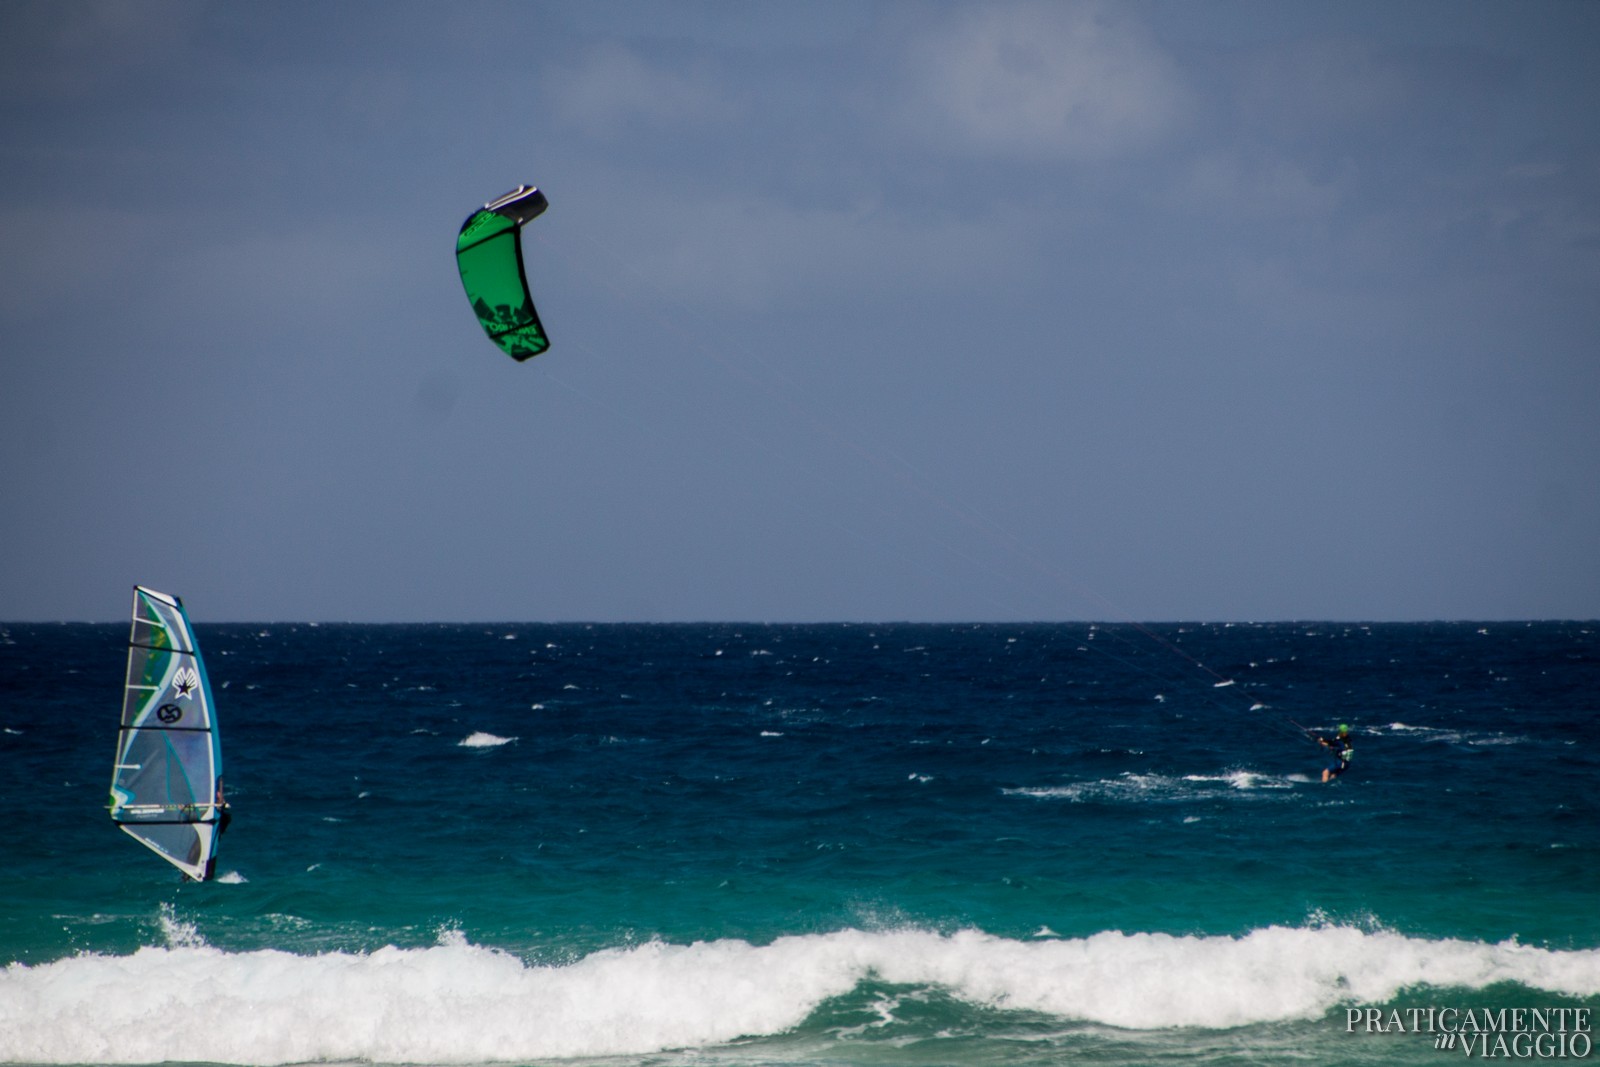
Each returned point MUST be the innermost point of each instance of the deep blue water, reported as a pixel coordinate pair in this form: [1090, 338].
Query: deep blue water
[810, 844]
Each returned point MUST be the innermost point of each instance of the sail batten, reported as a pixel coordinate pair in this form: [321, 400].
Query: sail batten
[166, 786]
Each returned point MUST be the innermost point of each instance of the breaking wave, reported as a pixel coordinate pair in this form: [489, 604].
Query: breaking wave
[457, 1002]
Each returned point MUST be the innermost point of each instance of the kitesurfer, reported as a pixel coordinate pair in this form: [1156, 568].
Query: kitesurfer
[1339, 747]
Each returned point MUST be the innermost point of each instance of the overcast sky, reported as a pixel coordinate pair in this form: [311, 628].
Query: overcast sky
[859, 311]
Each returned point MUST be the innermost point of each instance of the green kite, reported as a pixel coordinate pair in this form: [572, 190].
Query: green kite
[489, 255]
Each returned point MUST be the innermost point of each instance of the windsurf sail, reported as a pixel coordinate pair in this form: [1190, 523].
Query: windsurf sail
[489, 256]
[166, 786]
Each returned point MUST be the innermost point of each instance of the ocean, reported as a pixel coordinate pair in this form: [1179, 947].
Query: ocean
[820, 844]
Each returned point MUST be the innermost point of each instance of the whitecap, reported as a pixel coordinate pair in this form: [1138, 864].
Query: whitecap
[1131, 787]
[480, 739]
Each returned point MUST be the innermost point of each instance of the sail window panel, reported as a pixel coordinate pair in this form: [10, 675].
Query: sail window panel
[164, 690]
[166, 768]
[149, 774]
[153, 634]
[147, 673]
[144, 777]
[184, 843]
[193, 749]
[159, 625]
[134, 703]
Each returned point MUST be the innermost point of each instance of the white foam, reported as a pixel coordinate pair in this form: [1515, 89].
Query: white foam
[1474, 738]
[479, 739]
[1129, 787]
[461, 1003]
[1244, 780]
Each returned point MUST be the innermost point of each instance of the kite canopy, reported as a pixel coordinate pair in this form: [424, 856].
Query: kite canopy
[489, 255]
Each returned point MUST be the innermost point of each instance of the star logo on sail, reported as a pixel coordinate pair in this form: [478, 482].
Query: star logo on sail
[186, 682]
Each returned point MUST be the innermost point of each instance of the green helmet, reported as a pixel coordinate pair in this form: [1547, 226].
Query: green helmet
[1343, 729]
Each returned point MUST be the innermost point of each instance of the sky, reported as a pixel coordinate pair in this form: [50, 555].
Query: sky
[860, 311]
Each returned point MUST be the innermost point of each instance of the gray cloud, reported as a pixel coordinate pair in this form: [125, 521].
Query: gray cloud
[1041, 81]
[610, 88]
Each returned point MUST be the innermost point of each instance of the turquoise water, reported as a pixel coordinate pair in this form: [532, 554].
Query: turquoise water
[893, 844]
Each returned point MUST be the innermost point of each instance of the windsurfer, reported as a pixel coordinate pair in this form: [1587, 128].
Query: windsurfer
[222, 816]
[220, 806]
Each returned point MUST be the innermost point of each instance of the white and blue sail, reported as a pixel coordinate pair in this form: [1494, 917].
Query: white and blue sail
[166, 787]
